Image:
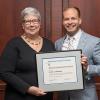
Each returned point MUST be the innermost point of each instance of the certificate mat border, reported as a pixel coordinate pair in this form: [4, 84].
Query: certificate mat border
[60, 86]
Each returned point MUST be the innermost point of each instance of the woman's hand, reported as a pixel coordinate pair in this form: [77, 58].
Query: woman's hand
[36, 91]
[84, 62]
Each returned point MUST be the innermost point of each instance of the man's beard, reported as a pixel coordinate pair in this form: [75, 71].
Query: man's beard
[73, 32]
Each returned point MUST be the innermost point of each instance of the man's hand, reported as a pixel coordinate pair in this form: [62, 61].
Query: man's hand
[84, 62]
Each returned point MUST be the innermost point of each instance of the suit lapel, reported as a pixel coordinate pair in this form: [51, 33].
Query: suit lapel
[82, 41]
[61, 43]
[81, 44]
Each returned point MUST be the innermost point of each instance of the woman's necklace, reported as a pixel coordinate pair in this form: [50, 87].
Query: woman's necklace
[30, 41]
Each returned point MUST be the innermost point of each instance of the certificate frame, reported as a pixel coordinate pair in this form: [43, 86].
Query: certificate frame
[59, 71]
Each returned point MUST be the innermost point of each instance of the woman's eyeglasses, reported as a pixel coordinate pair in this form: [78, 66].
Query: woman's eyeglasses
[33, 21]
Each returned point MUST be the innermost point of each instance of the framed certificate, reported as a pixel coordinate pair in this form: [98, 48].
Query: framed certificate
[58, 71]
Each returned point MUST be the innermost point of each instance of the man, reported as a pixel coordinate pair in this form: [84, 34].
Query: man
[90, 46]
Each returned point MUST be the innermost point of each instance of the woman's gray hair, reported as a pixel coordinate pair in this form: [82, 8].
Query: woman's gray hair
[30, 11]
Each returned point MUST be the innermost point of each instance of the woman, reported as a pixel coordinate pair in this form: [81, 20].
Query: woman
[18, 60]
